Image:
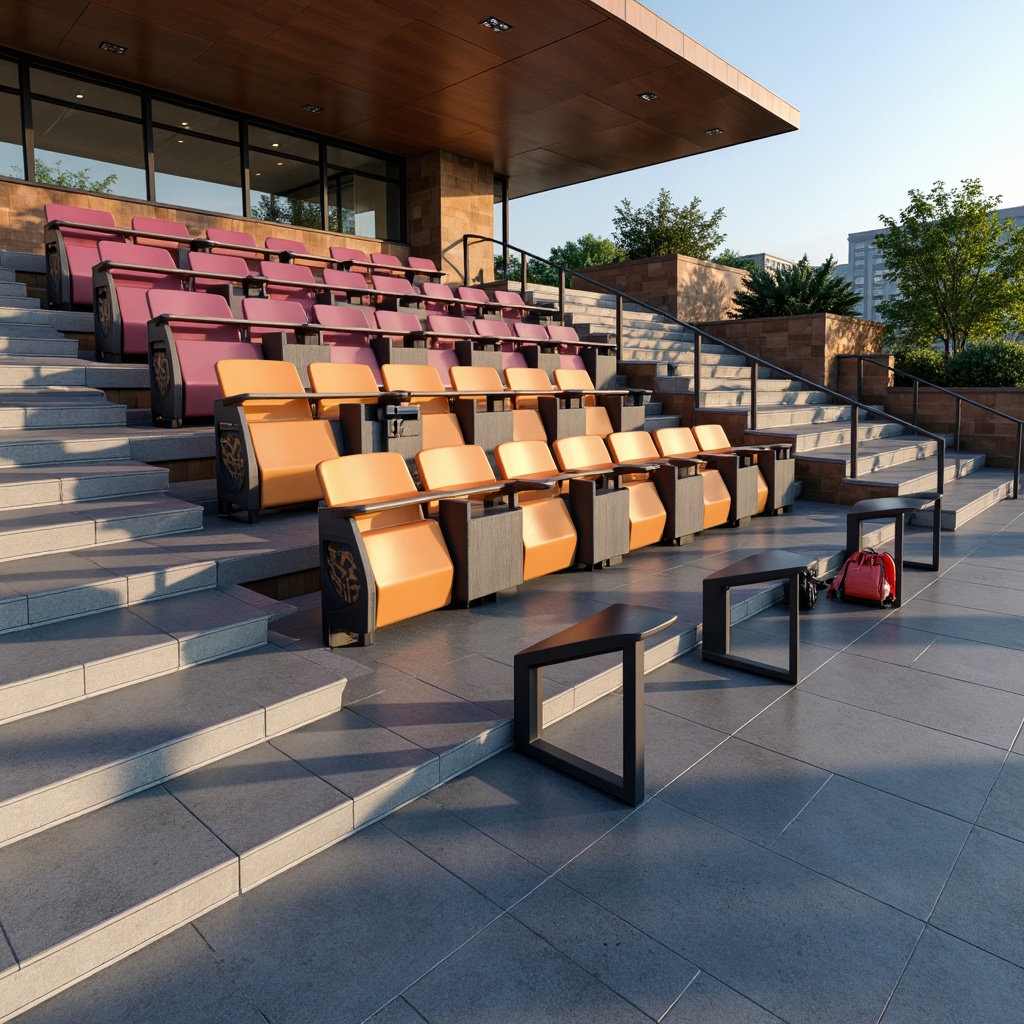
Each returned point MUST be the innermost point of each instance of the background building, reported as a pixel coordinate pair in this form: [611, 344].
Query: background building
[766, 261]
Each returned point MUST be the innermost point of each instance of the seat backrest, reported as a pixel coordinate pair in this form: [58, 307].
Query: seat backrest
[345, 318]
[438, 323]
[286, 245]
[342, 254]
[473, 294]
[493, 328]
[676, 442]
[160, 226]
[194, 304]
[437, 291]
[344, 279]
[711, 437]
[287, 274]
[475, 378]
[584, 451]
[275, 311]
[386, 259]
[231, 237]
[530, 332]
[152, 265]
[527, 378]
[399, 322]
[411, 377]
[341, 378]
[264, 376]
[363, 479]
[632, 446]
[463, 465]
[598, 420]
[82, 215]
[573, 380]
[563, 334]
[213, 263]
[524, 458]
[422, 265]
[512, 304]
[398, 285]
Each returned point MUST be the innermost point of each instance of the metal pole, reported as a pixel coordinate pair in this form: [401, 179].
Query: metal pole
[465, 259]
[524, 275]
[854, 431]
[956, 425]
[561, 295]
[917, 391]
[618, 325]
[696, 370]
[1016, 463]
[860, 379]
[753, 395]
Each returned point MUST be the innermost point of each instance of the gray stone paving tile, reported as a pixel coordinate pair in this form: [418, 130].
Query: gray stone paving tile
[898, 852]
[345, 931]
[508, 973]
[127, 853]
[1002, 810]
[831, 624]
[398, 1011]
[539, 814]
[987, 575]
[802, 946]
[712, 695]
[672, 744]
[774, 649]
[175, 979]
[953, 621]
[748, 790]
[481, 680]
[422, 654]
[708, 1001]
[987, 663]
[953, 982]
[893, 644]
[939, 770]
[630, 963]
[989, 597]
[983, 902]
[978, 713]
[465, 851]
[7, 960]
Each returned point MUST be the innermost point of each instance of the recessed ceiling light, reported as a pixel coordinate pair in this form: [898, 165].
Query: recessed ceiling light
[648, 96]
[181, 140]
[184, 124]
[257, 174]
[312, 108]
[495, 24]
[280, 163]
[713, 131]
[274, 145]
[112, 47]
[79, 95]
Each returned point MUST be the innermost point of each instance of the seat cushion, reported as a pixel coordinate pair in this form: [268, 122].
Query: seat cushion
[287, 453]
[717, 501]
[647, 515]
[549, 537]
[198, 360]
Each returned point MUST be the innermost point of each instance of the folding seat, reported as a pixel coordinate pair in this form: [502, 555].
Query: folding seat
[291, 282]
[266, 440]
[588, 453]
[70, 238]
[677, 481]
[386, 263]
[350, 259]
[235, 243]
[122, 277]
[732, 497]
[600, 514]
[402, 339]
[515, 308]
[439, 423]
[776, 476]
[381, 559]
[483, 407]
[395, 292]
[562, 415]
[424, 268]
[229, 276]
[438, 298]
[485, 383]
[476, 302]
[188, 333]
[347, 286]
[350, 332]
[370, 420]
[160, 233]
[283, 328]
[290, 250]
[623, 406]
[568, 346]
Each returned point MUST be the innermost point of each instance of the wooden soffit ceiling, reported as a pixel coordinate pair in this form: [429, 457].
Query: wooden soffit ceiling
[553, 101]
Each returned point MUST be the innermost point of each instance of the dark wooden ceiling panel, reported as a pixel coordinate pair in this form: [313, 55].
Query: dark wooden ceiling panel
[551, 102]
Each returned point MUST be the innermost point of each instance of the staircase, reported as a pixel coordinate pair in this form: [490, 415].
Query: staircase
[658, 353]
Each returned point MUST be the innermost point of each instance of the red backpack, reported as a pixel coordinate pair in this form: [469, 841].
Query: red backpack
[866, 575]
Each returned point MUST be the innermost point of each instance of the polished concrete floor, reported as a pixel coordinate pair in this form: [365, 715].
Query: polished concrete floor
[847, 850]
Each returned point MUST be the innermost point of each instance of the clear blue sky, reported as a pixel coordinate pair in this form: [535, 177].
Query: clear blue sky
[892, 96]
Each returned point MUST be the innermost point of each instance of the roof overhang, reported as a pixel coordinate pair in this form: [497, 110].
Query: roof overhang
[552, 101]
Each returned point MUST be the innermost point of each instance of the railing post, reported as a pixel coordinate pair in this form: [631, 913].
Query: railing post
[956, 424]
[753, 394]
[917, 391]
[940, 468]
[696, 370]
[854, 440]
[860, 378]
[1016, 461]
[465, 259]
[618, 325]
[561, 295]
[523, 274]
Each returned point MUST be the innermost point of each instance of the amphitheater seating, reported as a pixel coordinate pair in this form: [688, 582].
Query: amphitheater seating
[440, 424]
[346, 259]
[188, 333]
[776, 477]
[267, 442]
[678, 443]
[678, 483]
[562, 415]
[476, 302]
[425, 268]
[235, 243]
[623, 406]
[395, 292]
[350, 331]
[438, 298]
[122, 277]
[515, 308]
[229, 276]
[176, 238]
[71, 238]
[290, 281]
[381, 559]
[739, 474]
[347, 286]
[588, 453]
[289, 250]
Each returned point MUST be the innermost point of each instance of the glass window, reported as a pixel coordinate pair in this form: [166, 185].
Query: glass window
[197, 172]
[12, 156]
[349, 160]
[66, 89]
[283, 190]
[363, 206]
[9, 74]
[88, 151]
[282, 143]
[187, 119]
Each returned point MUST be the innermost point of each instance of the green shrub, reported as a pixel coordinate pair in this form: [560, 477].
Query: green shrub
[926, 363]
[987, 364]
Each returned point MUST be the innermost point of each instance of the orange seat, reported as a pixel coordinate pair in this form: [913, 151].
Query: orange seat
[379, 567]
[286, 441]
[711, 438]
[678, 443]
[647, 514]
[355, 379]
[440, 425]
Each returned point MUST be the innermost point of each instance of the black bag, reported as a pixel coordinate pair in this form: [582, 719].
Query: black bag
[808, 588]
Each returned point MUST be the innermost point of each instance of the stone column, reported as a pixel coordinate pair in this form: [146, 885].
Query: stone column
[449, 196]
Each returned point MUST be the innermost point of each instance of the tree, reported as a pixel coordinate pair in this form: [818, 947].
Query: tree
[301, 213]
[588, 250]
[663, 229]
[731, 258]
[959, 269]
[793, 290]
[54, 174]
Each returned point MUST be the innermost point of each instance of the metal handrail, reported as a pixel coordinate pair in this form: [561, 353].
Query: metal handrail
[957, 418]
[752, 361]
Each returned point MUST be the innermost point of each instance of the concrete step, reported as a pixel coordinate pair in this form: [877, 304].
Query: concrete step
[58, 319]
[52, 344]
[658, 422]
[813, 440]
[90, 444]
[30, 262]
[37, 408]
[26, 486]
[17, 302]
[968, 497]
[10, 288]
[912, 476]
[70, 760]
[103, 521]
[21, 371]
[882, 451]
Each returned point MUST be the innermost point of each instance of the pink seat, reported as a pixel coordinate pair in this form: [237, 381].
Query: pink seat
[513, 307]
[233, 267]
[278, 314]
[160, 226]
[440, 295]
[348, 259]
[535, 333]
[398, 322]
[474, 301]
[443, 358]
[424, 267]
[286, 245]
[392, 263]
[453, 326]
[569, 357]
[291, 282]
[122, 315]
[395, 291]
[348, 330]
[512, 360]
[71, 252]
[183, 354]
[493, 329]
[241, 244]
[346, 285]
